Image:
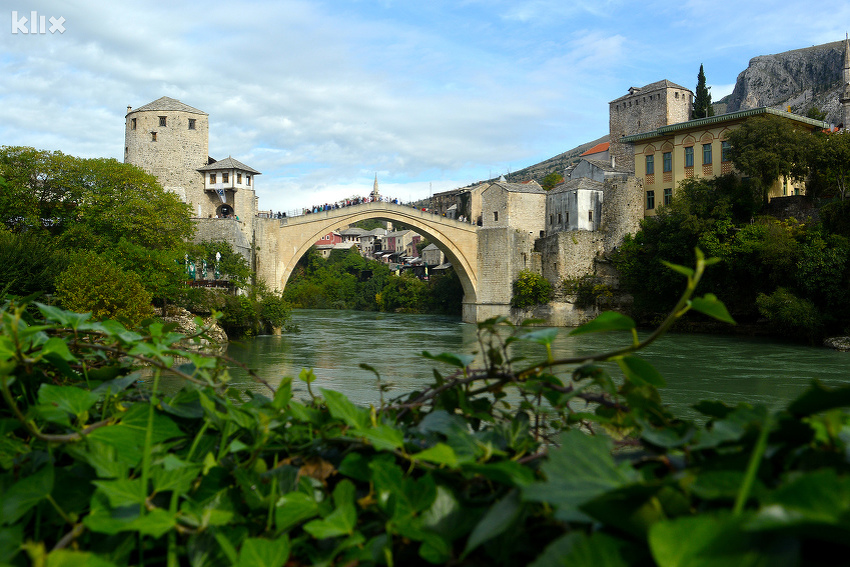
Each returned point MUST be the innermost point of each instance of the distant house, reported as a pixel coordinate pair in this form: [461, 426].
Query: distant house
[432, 255]
[372, 241]
[599, 152]
[330, 238]
[574, 205]
[514, 205]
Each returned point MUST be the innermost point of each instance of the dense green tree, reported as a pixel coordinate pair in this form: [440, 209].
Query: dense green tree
[404, 294]
[29, 263]
[766, 147]
[829, 155]
[702, 98]
[530, 289]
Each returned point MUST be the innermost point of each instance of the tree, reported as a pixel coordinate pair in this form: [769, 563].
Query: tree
[767, 147]
[551, 180]
[702, 101]
[93, 283]
[530, 289]
[829, 156]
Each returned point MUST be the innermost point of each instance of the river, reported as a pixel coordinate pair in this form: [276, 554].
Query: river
[696, 367]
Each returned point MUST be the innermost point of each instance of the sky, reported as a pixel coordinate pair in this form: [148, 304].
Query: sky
[322, 96]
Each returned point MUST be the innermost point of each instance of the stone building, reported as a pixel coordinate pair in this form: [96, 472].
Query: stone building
[170, 140]
[574, 205]
[667, 155]
[643, 109]
[519, 206]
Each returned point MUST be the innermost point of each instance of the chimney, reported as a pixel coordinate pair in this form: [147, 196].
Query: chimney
[129, 108]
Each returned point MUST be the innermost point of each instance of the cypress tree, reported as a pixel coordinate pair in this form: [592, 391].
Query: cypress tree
[702, 102]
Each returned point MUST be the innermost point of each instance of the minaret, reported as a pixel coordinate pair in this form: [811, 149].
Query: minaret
[375, 195]
[844, 98]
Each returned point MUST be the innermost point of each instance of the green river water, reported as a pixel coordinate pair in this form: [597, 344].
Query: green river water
[696, 367]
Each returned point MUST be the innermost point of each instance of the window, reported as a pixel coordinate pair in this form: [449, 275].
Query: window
[153, 136]
[191, 124]
[248, 179]
[589, 216]
[162, 120]
[668, 162]
[225, 177]
[650, 199]
[239, 178]
[668, 196]
[212, 178]
[495, 215]
[650, 165]
[689, 156]
[559, 218]
[567, 217]
[706, 154]
[551, 219]
[724, 150]
[132, 123]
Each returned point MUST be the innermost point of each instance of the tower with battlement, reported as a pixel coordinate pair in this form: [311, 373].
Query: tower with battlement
[642, 110]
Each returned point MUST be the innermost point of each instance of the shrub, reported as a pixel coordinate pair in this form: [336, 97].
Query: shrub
[789, 314]
[93, 283]
[530, 289]
[589, 291]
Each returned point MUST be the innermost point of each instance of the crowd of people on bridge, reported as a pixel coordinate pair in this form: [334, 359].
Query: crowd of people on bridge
[348, 203]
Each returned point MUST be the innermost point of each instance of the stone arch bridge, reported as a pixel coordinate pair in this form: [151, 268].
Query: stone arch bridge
[282, 242]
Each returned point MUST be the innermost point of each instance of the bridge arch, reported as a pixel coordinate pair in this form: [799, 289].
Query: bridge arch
[295, 236]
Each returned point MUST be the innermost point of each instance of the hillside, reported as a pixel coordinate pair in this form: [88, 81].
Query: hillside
[798, 79]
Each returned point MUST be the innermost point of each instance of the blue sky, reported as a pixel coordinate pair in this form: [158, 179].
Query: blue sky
[321, 96]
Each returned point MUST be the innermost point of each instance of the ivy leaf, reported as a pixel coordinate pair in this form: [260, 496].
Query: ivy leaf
[713, 307]
[579, 471]
[71, 399]
[640, 371]
[456, 360]
[257, 552]
[293, 508]
[122, 492]
[439, 454]
[495, 522]
[542, 336]
[684, 270]
[25, 494]
[383, 437]
[342, 520]
[607, 321]
[342, 408]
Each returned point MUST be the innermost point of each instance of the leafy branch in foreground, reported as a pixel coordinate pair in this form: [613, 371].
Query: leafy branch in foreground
[557, 463]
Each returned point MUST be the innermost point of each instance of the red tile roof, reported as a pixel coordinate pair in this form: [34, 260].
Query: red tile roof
[597, 149]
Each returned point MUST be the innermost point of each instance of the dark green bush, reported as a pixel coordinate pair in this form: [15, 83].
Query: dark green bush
[530, 289]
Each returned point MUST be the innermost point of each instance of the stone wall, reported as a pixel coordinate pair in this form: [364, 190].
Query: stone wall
[502, 254]
[227, 230]
[176, 154]
[622, 209]
[569, 254]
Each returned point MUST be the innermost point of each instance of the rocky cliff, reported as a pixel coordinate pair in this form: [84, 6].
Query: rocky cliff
[798, 79]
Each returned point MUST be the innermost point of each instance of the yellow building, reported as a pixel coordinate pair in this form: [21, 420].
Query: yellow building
[697, 148]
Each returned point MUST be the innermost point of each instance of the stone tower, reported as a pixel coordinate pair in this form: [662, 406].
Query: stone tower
[170, 140]
[844, 98]
[642, 110]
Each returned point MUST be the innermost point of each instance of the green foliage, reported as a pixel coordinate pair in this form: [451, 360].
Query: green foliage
[92, 283]
[766, 147]
[702, 98]
[590, 291]
[29, 263]
[540, 462]
[530, 289]
[816, 113]
[835, 217]
[403, 294]
[232, 265]
[551, 180]
[789, 314]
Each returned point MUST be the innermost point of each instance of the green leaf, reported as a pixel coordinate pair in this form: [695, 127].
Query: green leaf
[122, 492]
[456, 360]
[283, 394]
[601, 550]
[640, 371]
[684, 270]
[542, 336]
[294, 508]
[439, 454]
[70, 558]
[25, 494]
[577, 472]
[607, 321]
[383, 437]
[342, 520]
[256, 552]
[717, 541]
[495, 522]
[71, 399]
[342, 408]
[713, 307]
[818, 399]
[11, 539]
